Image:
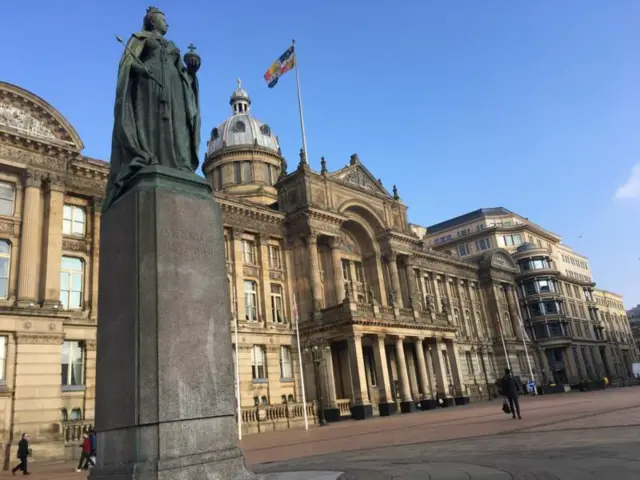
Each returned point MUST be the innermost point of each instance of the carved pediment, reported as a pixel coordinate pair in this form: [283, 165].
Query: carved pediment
[24, 114]
[358, 176]
[24, 122]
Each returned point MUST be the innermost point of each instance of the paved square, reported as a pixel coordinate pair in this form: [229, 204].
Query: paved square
[573, 436]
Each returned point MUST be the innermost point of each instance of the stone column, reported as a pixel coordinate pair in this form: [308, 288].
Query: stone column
[336, 263]
[381, 284]
[89, 379]
[456, 371]
[570, 363]
[440, 369]
[581, 364]
[53, 237]
[289, 267]
[238, 272]
[544, 364]
[412, 286]
[422, 367]
[406, 405]
[265, 281]
[395, 278]
[30, 240]
[361, 407]
[95, 257]
[329, 376]
[514, 311]
[387, 406]
[433, 278]
[314, 268]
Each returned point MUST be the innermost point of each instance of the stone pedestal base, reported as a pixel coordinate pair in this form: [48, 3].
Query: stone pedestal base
[462, 400]
[387, 409]
[361, 412]
[332, 415]
[165, 406]
[408, 407]
[447, 402]
[429, 404]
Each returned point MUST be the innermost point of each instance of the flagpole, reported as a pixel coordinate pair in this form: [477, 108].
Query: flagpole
[504, 345]
[239, 408]
[304, 395]
[526, 352]
[304, 135]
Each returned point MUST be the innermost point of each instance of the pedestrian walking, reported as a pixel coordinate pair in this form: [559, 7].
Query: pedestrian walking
[94, 444]
[85, 456]
[23, 454]
[510, 390]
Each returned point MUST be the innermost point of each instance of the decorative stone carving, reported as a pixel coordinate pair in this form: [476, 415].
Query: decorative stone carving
[358, 178]
[24, 122]
[75, 245]
[32, 178]
[499, 261]
[56, 183]
[97, 204]
[90, 344]
[249, 271]
[40, 338]
[32, 158]
[276, 275]
[7, 227]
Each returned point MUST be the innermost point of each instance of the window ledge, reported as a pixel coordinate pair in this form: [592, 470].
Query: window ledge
[286, 380]
[73, 388]
[260, 380]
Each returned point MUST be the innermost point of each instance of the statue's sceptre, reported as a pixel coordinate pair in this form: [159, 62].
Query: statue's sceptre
[137, 60]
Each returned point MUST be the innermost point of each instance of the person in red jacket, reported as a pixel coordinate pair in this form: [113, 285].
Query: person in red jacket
[86, 452]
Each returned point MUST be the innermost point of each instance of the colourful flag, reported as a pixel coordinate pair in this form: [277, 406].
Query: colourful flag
[286, 62]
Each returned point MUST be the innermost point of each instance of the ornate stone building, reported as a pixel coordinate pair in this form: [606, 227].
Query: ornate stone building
[580, 333]
[388, 318]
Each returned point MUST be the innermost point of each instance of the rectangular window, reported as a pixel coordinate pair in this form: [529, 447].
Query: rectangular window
[441, 290]
[483, 243]
[248, 252]
[250, 301]
[258, 363]
[218, 178]
[247, 172]
[3, 358]
[359, 272]
[545, 286]
[286, 371]
[346, 274]
[7, 198]
[464, 250]
[470, 368]
[5, 263]
[267, 174]
[237, 172]
[73, 220]
[71, 283]
[277, 306]
[463, 291]
[275, 257]
[427, 284]
[72, 364]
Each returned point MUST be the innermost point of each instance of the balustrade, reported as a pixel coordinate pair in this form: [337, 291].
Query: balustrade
[73, 430]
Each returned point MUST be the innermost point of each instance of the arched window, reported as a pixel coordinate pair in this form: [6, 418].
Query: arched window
[456, 317]
[5, 263]
[291, 399]
[76, 414]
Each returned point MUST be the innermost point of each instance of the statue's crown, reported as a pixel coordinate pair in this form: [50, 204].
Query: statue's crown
[152, 10]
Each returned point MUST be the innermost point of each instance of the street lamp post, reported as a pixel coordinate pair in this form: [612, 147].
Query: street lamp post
[316, 349]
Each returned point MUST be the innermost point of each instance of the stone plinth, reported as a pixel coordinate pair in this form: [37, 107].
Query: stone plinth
[164, 396]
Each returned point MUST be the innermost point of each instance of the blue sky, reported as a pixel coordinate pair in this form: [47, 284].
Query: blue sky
[534, 106]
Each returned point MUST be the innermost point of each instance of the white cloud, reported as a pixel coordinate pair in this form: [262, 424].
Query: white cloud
[631, 188]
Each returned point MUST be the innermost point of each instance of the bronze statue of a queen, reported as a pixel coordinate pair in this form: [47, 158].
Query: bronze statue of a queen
[157, 114]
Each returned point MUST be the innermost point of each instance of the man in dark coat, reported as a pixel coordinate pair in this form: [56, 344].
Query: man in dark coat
[23, 454]
[510, 390]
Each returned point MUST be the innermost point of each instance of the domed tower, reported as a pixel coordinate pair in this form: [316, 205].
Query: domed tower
[243, 155]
